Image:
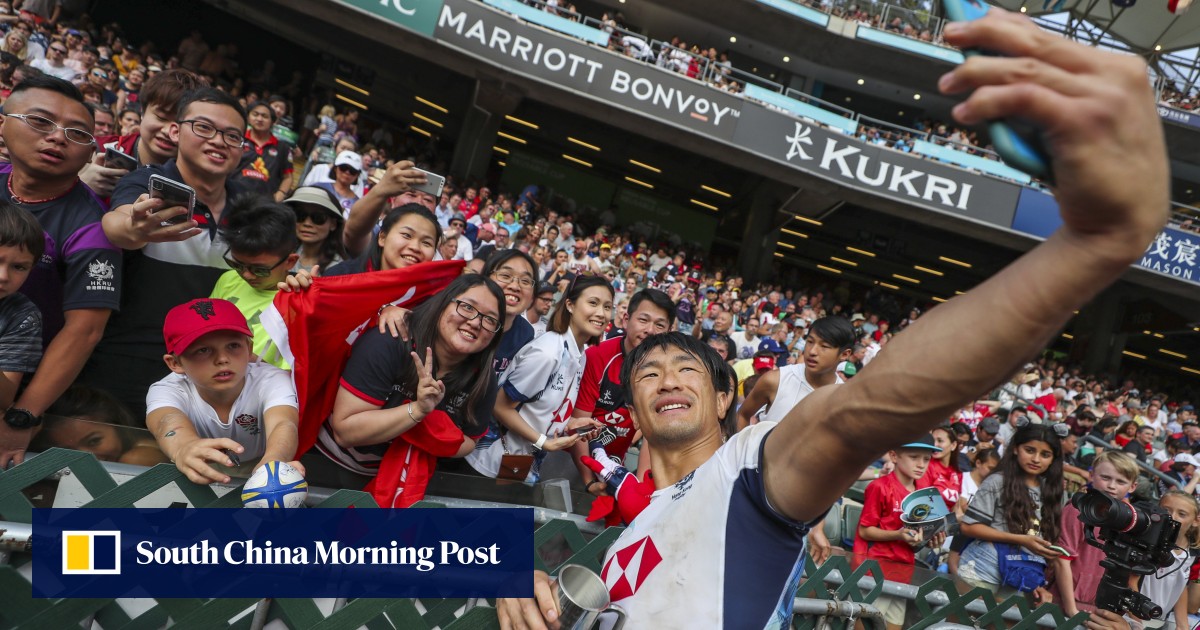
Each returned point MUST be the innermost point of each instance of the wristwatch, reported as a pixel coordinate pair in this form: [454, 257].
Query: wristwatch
[18, 418]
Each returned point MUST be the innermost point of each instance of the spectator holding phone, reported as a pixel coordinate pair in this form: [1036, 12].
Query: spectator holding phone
[76, 283]
[169, 263]
[398, 186]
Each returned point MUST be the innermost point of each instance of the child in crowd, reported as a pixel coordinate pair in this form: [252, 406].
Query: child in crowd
[983, 462]
[217, 406]
[881, 534]
[1166, 586]
[22, 243]
[1015, 514]
[327, 127]
[1078, 573]
[262, 250]
[943, 472]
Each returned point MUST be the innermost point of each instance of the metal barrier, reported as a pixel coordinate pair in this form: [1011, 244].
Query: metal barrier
[558, 541]
[1149, 470]
[812, 100]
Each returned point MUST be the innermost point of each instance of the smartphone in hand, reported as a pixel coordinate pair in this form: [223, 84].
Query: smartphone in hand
[174, 194]
[1017, 141]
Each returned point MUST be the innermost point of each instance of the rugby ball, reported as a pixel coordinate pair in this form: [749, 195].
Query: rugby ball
[275, 485]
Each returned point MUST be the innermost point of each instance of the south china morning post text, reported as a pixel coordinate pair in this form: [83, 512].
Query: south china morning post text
[283, 553]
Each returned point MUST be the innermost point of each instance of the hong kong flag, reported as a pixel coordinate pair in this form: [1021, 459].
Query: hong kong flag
[315, 328]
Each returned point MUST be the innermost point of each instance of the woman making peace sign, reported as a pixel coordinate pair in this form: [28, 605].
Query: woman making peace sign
[402, 404]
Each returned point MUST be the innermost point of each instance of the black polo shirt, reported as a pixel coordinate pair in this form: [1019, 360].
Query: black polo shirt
[263, 167]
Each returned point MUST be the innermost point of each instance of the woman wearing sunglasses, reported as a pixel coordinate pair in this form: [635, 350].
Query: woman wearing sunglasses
[402, 404]
[319, 228]
[342, 177]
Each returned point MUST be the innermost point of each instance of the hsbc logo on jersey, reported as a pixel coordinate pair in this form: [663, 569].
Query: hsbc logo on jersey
[627, 570]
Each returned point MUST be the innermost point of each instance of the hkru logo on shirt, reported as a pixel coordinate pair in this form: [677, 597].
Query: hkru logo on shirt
[248, 423]
[101, 273]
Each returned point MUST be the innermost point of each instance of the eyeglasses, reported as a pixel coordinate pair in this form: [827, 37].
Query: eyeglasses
[317, 216]
[348, 169]
[469, 313]
[207, 130]
[45, 125]
[1061, 429]
[61, 51]
[259, 271]
[100, 75]
[506, 277]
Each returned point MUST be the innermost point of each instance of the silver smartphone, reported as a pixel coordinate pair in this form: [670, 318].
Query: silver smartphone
[175, 194]
[433, 185]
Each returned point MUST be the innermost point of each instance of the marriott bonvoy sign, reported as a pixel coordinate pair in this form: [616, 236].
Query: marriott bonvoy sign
[611, 78]
[575, 65]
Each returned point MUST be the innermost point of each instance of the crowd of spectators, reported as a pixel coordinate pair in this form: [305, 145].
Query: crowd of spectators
[506, 371]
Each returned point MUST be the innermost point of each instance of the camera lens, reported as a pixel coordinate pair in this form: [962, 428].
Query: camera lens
[1099, 510]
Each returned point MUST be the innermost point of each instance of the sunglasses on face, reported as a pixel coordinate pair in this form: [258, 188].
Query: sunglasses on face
[259, 271]
[348, 169]
[317, 216]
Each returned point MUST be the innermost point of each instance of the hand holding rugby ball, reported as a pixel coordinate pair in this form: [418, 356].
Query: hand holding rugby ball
[275, 485]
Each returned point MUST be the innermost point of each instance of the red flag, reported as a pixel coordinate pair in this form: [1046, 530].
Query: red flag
[315, 328]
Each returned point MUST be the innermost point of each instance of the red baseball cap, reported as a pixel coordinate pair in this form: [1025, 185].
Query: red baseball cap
[188, 322]
[764, 363]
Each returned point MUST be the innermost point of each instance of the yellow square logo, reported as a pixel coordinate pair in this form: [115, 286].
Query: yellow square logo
[91, 553]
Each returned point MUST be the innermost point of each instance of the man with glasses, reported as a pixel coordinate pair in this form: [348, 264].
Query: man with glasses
[170, 263]
[543, 301]
[54, 64]
[77, 282]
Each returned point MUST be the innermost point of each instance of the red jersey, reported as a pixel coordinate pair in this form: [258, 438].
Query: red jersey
[602, 395]
[1085, 568]
[881, 508]
[945, 478]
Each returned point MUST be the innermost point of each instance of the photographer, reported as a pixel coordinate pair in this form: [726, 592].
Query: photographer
[1115, 474]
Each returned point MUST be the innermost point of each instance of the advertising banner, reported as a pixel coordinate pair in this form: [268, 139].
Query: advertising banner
[1179, 116]
[575, 65]
[415, 15]
[298, 552]
[874, 168]
[1173, 253]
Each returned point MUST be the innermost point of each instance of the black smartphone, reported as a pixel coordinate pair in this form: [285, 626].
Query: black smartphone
[114, 158]
[175, 194]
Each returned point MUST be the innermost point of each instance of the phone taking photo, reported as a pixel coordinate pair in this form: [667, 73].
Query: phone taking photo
[433, 185]
[174, 194]
[1018, 142]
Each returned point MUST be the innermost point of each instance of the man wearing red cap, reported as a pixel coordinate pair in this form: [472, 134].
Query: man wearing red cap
[216, 406]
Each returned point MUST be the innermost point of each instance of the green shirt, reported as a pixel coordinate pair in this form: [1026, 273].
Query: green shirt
[251, 302]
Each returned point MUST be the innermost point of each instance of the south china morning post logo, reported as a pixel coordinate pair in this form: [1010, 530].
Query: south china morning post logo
[222, 552]
[91, 552]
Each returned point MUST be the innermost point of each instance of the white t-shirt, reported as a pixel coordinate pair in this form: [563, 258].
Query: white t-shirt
[793, 387]
[969, 487]
[709, 552]
[544, 378]
[746, 349]
[1166, 590]
[266, 386]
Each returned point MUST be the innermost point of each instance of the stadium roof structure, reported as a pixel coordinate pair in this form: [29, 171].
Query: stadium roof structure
[1146, 27]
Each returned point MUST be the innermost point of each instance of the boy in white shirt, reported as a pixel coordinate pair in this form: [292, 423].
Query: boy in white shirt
[216, 405]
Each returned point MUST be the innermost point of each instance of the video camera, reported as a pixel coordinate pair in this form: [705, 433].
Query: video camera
[1137, 538]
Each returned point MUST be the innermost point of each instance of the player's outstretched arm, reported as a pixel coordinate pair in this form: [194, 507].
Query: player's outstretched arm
[1098, 117]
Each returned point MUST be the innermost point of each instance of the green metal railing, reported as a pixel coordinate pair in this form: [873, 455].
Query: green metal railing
[556, 542]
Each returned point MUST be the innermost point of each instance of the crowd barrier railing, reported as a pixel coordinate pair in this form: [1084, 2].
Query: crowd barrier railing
[841, 588]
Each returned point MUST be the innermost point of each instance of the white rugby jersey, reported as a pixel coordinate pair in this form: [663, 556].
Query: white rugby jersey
[793, 387]
[709, 552]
